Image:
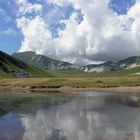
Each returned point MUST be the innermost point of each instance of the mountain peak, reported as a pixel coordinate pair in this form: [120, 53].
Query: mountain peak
[42, 61]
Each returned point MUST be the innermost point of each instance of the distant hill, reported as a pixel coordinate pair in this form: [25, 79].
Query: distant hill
[42, 61]
[12, 67]
[129, 63]
[46, 63]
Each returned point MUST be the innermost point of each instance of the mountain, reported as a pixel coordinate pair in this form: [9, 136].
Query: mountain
[12, 67]
[128, 63]
[42, 61]
[47, 63]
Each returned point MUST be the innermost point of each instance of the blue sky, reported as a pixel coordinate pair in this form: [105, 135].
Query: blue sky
[11, 37]
[121, 6]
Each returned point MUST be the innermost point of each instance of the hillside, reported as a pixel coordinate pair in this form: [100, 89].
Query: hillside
[60, 68]
[80, 73]
[11, 67]
[42, 61]
[129, 63]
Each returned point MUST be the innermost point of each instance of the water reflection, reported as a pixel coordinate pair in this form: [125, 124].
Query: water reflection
[103, 117]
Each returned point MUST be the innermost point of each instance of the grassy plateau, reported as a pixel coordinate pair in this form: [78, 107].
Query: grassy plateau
[80, 82]
[76, 79]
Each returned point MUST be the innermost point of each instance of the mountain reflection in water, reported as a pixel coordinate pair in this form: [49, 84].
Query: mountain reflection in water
[101, 116]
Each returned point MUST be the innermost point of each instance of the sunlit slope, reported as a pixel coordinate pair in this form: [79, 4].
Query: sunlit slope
[79, 73]
[11, 67]
[42, 61]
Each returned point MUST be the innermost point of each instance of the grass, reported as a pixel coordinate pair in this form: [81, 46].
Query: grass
[73, 82]
[71, 73]
[38, 71]
[30, 69]
[75, 79]
[3, 74]
[80, 73]
[11, 67]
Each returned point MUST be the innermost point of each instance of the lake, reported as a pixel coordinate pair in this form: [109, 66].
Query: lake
[72, 116]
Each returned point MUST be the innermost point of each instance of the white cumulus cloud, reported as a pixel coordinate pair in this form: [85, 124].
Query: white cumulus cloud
[102, 35]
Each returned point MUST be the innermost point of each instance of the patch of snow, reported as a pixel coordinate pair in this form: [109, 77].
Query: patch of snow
[97, 69]
[133, 66]
[122, 65]
[86, 69]
[138, 73]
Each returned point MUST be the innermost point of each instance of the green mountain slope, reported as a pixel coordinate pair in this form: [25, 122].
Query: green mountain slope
[11, 67]
[80, 73]
[41, 61]
[129, 63]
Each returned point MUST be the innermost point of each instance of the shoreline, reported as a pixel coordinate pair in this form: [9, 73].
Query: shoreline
[123, 89]
[93, 84]
[94, 89]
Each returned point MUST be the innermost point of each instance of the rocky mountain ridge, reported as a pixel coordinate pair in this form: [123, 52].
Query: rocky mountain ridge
[42, 61]
[128, 63]
[47, 63]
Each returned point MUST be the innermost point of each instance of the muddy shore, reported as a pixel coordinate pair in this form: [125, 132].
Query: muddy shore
[133, 89]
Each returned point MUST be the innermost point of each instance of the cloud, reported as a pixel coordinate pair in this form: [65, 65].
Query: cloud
[58, 2]
[87, 118]
[36, 36]
[27, 8]
[101, 35]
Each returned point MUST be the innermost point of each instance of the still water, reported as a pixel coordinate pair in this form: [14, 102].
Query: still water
[82, 116]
